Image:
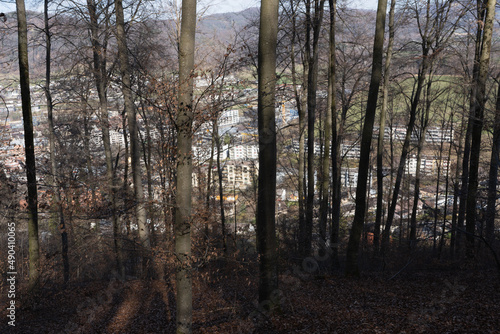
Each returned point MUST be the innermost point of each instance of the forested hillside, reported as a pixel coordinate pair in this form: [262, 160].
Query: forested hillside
[303, 166]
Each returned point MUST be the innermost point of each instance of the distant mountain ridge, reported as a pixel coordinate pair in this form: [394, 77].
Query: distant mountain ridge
[223, 25]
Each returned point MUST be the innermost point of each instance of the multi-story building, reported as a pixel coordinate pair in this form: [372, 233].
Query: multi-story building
[438, 135]
[349, 177]
[239, 174]
[229, 117]
[244, 152]
[434, 135]
[351, 151]
[116, 138]
[428, 166]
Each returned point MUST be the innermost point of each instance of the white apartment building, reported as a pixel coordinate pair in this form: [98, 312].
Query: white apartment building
[244, 152]
[433, 135]
[350, 151]
[115, 137]
[436, 135]
[229, 117]
[349, 177]
[427, 165]
[236, 152]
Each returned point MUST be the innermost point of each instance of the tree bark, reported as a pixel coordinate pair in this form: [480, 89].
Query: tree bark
[299, 100]
[99, 51]
[464, 187]
[312, 84]
[144, 234]
[208, 194]
[418, 174]
[52, 139]
[380, 143]
[352, 267]
[456, 194]
[493, 175]
[327, 126]
[266, 210]
[478, 105]
[184, 123]
[29, 148]
[221, 188]
[335, 147]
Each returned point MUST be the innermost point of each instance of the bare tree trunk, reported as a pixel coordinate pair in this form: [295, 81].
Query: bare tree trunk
[447, 182]
[406, 145]
[266, 209]
[126, 155]
[493, 175]
[29, 148]
[221, 189]
[208, 195]
[100, 77]
[299, 101]
[479, 101]
[303, 225]
[312, 83]
[352, 268]
[420, 147]
[380, 144]
[52, 138]
[144, 234]
[330, 110]
[99, 51]
[184, 124]
[456, 193]
[146, 155]
[86, 140]
[464, 187]
[335, 148]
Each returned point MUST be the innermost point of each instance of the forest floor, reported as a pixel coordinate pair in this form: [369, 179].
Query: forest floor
[439, 300]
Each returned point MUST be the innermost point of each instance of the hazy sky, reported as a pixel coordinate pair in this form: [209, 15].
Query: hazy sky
[220, 6]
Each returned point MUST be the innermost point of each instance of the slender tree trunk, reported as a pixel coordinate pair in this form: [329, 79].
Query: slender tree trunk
[464, 188]
[299, 101]
[418, 174]
[380, 143]
[126, 156]
[438, 185]
[462, 203]
[100, 77]
[447, 181]
[303, 225]
[52, 138]
[325, 183]
[493, 175]
[405, 149]
[208, 196]
[266, 209]
[456, 194]
[479, 101]
[146, 155]
[221, 188]
[86, 140]
[144, 234]
[312, 83]
[302, 178]
[184, 124]
[335, 154]
[29, 147]
[352, 268]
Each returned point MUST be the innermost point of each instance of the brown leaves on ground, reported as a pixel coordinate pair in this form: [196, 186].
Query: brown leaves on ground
[418, 302]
